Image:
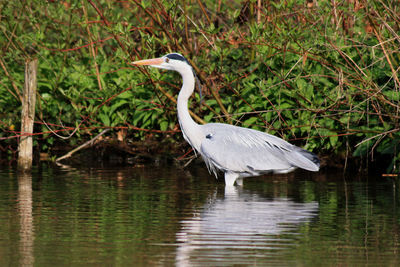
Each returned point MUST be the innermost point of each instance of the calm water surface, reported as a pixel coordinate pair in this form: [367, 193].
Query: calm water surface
[165, 216]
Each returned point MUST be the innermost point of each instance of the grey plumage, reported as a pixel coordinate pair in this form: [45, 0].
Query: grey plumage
[236, 151]
[249, 152]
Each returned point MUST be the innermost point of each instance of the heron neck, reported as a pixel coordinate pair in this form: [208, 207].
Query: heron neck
[189, 127]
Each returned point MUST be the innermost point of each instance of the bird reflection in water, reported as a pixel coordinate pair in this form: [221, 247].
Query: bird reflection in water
[241, 224]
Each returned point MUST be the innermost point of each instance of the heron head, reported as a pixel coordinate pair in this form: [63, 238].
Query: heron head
[173, 61]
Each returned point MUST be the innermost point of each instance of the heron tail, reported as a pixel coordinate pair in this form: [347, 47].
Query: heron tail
[305, 159]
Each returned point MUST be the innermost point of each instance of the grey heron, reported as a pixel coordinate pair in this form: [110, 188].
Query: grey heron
[238, 152]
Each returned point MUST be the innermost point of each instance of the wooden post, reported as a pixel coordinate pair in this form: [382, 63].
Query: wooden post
[27, 116]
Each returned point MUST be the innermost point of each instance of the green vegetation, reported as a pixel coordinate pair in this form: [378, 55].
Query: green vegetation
[324, 76]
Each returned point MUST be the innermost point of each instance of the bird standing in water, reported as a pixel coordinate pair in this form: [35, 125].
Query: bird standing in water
[238, 152]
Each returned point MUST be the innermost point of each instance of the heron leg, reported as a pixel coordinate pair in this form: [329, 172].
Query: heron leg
[230, 178]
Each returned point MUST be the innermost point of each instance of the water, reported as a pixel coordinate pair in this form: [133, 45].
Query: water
[165, 216]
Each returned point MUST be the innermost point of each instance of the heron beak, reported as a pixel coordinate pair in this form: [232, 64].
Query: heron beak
[153, 61]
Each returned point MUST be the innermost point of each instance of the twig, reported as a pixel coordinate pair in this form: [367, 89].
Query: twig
[91, 47]
[108, 24]
[198, 29]
[375, 136]
[59, 136]
[396, 79]
[204, 11]
[11, 80]
[90, 142]
[298, 61]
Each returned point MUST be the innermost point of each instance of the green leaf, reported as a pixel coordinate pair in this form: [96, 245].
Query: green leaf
[117, 105]
[333, 140]
[163, 125]
[392, 95]
[104, 119]
[125, 95]
[250, 121]
[301, 84]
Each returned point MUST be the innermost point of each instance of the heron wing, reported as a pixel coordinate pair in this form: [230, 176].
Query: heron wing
[243, 150]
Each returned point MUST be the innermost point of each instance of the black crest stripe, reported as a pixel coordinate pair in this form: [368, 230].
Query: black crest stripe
[176, 57]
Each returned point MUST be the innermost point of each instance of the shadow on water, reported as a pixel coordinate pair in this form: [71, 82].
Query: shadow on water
[161, 215]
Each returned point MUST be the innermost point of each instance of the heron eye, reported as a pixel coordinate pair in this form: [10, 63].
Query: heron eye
[167, 60]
